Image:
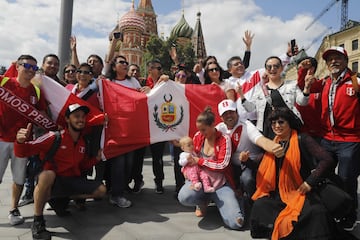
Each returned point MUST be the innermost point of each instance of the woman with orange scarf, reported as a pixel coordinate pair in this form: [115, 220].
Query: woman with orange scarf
[284, 207]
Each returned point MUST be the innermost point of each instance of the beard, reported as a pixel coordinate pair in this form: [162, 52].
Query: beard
[76, 129]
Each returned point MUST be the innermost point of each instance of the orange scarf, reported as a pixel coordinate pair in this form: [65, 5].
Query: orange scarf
[289, 181]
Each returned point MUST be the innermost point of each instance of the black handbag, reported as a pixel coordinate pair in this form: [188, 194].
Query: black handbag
[338, 202]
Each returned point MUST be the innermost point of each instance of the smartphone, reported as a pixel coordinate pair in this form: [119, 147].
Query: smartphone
[117, 35]
[293, 44]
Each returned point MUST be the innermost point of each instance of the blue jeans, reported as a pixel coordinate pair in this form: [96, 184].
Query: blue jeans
[347, 155]
[223, 197]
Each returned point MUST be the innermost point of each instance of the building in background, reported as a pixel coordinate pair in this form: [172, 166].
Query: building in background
[139, 24]
[347, 38]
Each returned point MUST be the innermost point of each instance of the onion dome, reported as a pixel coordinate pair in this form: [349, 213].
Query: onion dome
[131, 20]
[182, 29]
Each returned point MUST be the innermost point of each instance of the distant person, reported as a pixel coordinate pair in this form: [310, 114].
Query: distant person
[69, 74]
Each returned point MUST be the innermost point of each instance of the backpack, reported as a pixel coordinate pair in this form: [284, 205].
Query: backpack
[54, 147]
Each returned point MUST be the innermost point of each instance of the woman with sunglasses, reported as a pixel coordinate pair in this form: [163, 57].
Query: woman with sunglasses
[69, 74]
[274, 92]
[213, 75]
[284, 206]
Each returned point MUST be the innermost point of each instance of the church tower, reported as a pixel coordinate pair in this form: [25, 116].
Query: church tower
[197, 40]
[146, 11]
[132, 26]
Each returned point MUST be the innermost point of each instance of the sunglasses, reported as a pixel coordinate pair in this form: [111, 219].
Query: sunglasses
[180, 75]
[237, 64]
[29, 66]
[83, 72]
[122, 62]
[280, 122]
[158, 68]
[213, 70]
[70, 71]
[274, 66]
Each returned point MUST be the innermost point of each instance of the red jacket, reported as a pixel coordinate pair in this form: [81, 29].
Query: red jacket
[311, 113]
[346, 110]
[222, 160]
[70, 158]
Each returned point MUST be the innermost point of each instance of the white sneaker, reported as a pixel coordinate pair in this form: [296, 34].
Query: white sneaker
[120, 202]
[15, 217]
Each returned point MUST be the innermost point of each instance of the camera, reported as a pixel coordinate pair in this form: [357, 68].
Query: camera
[118, 35]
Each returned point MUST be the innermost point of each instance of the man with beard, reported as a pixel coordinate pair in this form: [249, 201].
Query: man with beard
[245, 140]
[62, 173]
[340, 120]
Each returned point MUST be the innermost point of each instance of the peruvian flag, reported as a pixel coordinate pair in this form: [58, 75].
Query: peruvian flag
[168, 112]
[59, 98]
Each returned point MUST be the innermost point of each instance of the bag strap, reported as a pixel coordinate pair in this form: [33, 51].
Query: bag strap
[88, 94]
[54, 147]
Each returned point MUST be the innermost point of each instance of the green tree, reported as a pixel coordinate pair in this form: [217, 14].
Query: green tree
[157, 48]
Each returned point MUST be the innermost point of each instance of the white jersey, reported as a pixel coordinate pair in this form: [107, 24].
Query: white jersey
[243, 137]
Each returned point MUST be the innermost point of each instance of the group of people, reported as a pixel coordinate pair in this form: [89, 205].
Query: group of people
[254, 165]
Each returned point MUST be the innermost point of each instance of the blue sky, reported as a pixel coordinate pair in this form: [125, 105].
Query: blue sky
[32, 26]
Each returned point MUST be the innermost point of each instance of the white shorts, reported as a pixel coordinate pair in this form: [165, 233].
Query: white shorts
[18, 165]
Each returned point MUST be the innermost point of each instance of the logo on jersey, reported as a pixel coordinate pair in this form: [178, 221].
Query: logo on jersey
[350, 91]
[82, 149]
[169, 116]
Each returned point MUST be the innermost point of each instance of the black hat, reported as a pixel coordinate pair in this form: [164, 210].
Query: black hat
[75, 107]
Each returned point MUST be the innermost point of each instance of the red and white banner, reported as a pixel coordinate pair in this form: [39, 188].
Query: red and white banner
[26, 110]
[59, 98]
[168, 112]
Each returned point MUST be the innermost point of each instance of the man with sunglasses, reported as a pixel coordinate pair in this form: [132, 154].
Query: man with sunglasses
[11, 121]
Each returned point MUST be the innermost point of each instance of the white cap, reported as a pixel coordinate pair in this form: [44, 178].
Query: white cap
[334, 49]
[226, 105]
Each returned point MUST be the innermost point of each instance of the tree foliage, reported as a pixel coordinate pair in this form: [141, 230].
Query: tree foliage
[157, 48]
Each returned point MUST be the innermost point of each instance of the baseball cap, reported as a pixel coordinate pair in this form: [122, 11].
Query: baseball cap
[75, 107]
[334, 49]
[226, 105]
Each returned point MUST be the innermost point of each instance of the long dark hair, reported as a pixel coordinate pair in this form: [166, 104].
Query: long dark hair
[111, 74]
[206, 73]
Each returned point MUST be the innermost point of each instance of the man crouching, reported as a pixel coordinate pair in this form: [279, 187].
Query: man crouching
[62, 172]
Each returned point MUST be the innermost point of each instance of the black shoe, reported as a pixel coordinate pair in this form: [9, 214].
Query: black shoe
[39, 231]
[348, 224]
[159, 188]
[138, 187]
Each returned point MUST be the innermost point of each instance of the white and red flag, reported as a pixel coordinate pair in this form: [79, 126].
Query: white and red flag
[168, 112]
[58, 99]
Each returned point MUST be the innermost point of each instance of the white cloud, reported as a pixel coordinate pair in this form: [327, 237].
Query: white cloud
[32, 27]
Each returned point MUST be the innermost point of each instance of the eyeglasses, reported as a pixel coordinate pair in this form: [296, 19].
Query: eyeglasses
[237, 63]
[158, 68]
[83, 72]
[122, 62]
[180, 75]
[29, 66]
[70, 71]
[280, 122]
[274, 66]
[213, 70]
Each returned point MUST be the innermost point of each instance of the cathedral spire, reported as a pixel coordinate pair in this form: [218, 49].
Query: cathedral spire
[198, 39]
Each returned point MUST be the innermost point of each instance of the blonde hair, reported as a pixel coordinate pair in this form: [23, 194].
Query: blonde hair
[185, 140]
